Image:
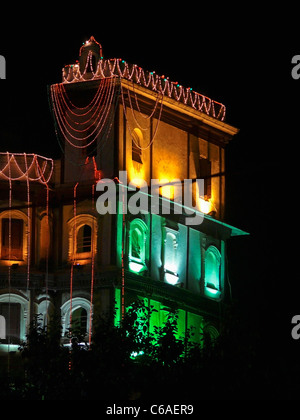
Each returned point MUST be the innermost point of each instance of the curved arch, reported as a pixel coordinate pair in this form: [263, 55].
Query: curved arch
[76, 249]
[137, 254]
[212, 277]
[11, 298]
[12, 215]
[137, 142]
[77, 303]
[211, 333]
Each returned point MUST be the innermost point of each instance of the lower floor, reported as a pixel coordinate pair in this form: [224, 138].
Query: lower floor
[77, 309]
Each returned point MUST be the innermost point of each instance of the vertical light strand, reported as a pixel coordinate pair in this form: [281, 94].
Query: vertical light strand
[73, 262]
[47, 253]
[123, 265]
[9, 258]
[45, 182]
[93, 269]
[28, 229]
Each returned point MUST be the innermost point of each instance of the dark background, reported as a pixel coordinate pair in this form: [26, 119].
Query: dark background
[240, 57]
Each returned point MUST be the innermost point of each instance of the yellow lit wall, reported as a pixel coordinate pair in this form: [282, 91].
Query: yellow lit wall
[172, 154]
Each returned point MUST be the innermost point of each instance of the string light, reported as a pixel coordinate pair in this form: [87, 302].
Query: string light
[29, 168]
[120, 68]
[10, 167]
[104, 101]
[128, 124]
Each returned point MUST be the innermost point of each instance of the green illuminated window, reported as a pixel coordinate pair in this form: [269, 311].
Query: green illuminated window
[170, 256]
[137, 245]
[212, 271]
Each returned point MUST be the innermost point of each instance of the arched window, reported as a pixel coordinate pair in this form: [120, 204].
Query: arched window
[170, 256]
[212, 271]
[84, 239]
[137, 245]
[14, 239]
[81, 308]
[79, 320]
[170, 252]
[137, 140]
[13, 318]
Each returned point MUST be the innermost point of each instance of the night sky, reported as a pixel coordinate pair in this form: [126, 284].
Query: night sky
[239, 57]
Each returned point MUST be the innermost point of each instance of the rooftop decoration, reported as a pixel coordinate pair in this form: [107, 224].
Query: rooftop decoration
[95, 67]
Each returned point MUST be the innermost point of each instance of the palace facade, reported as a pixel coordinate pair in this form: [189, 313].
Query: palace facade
[68, 245]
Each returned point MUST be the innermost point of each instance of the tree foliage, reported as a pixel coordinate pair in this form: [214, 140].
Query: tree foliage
[128, 362]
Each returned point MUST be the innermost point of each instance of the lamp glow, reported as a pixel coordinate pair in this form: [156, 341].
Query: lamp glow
[171, 278]
[135, 266]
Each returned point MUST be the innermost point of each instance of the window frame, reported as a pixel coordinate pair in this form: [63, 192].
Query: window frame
[138, 264]
[170, 271]
[210, 289]
[74, 226]
[18, 215]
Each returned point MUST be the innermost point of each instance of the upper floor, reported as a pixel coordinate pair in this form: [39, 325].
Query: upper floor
[111, 116]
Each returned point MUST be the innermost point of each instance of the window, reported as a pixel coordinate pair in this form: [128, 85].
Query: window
[81, 309]
[12, 239]
[11, 312]
[170, 256]
[212, 272]
[13, 318]
[79, 320]
[137, 139]
[137, 245]
[84, 239]
[170, 252]
[2, 328]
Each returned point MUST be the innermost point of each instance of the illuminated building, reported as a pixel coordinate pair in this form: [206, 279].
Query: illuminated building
[57, 253]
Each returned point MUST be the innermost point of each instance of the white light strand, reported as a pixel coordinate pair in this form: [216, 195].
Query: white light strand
[28, 233]
[161, 84]
[102, 113]
[140, 112]
[131, 131]
[12, 171]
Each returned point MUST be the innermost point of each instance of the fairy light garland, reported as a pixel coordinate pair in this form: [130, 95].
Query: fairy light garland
[103, 101]
[147, 117]
[34, 172]
[28, 168]
[130, 129]
[151, 80]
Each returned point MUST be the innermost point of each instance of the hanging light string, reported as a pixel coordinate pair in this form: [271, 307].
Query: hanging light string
[97, 125]
[146, 117]
[93, 265]
[9, 257]
[68, 107]
[29, 168]
[63, 111]
[131, 130]
[28, 233]
[150, 80]
[80, 110]
[103, 135]
[48, 243]
[34, 172]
